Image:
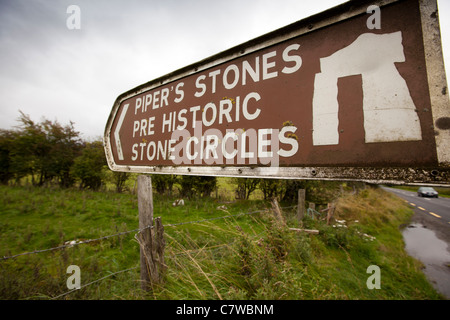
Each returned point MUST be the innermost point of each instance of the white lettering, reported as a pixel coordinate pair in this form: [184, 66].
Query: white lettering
[155, 100]
[189, 155]
[135, 127]
[165, 97]
[267, 65]
[148, 101]
[135, 153]
[213, 75]
[253, 73]
[167, 122]
[151, 125]
[225, 111]
[162, 150]
[151, 156]
[231, 85]
[194, 114]
[200, 85]
[245, 112]
[294, 58]
[211, 148]
[179, 92]
[288, 140]
[212, 107]
[171, 149]
[143, 127]
[137, 105]
[182, 118]
[142, 145]
[264, 143]
[229, 135]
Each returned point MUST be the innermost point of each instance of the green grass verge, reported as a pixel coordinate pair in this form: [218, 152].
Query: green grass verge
[241, 257]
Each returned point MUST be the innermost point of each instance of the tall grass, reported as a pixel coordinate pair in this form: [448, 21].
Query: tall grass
[240, 257]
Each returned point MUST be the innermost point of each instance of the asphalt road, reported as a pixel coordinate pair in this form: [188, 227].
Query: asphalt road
[429, 214]
[432, 213]
[437, 208]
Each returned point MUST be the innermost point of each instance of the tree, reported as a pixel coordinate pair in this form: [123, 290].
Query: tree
[6, 145]
[205, 185]
[28, 151]
[44, 150]
[197, 186]
[88, 167]
[245, 186]
[291, 188]
[65, 146]
[272, 188]
[164, 182]
[119, 179]
[187, 184]
[159, 183]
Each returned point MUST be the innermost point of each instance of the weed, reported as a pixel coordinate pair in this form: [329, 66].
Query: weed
[241, 257]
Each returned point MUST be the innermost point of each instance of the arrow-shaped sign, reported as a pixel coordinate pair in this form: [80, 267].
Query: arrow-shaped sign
[116, 133]
[290, 105]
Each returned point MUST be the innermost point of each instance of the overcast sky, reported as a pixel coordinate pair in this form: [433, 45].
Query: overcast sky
[48, 70]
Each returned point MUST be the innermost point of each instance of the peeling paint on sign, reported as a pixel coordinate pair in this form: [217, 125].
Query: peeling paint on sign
[327, 93]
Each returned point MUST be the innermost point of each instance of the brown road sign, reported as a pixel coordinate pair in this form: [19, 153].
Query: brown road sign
[357, 92]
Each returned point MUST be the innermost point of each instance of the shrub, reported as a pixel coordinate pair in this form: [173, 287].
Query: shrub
[88, 167]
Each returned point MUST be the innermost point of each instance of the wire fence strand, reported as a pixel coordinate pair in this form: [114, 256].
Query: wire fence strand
[184, 252]
[92, 282]
[137, 231]
[75, 244]
[130, 231]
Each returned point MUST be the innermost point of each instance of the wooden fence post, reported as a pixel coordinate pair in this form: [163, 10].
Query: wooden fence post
[330, 212]
[301, 204]
[150, 237]
[277, 211]
[145, 206]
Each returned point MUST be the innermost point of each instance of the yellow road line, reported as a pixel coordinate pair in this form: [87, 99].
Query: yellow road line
[434, 214]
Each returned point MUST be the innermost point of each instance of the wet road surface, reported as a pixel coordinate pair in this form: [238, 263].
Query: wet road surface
[427, 237]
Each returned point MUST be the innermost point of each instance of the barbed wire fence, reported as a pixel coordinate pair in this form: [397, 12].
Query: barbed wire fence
[137, 230]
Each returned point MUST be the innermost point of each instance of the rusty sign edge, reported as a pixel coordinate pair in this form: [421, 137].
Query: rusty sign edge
[437, 80]
[347, 10]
